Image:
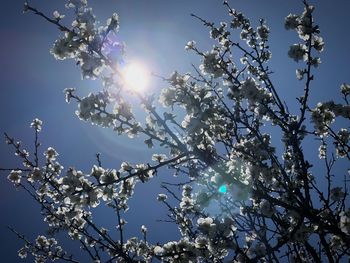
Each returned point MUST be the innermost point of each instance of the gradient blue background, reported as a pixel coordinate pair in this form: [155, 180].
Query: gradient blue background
[155, 32]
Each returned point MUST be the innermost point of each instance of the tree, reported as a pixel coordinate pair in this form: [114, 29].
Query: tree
[215, 127]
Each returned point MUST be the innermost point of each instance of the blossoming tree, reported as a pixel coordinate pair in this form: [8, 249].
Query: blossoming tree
[278, 210]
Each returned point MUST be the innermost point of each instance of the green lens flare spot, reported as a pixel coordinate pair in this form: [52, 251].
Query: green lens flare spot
[223, 189]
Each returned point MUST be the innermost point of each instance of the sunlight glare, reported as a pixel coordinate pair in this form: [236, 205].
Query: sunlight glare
[136, 76]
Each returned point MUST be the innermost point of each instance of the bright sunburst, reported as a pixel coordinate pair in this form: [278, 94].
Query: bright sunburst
[136, 76]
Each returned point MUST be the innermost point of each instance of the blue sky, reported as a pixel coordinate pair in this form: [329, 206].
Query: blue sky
[155, 32]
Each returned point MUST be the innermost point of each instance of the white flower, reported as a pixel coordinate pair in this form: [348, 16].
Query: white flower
[158, 250]
[263, 32]
[315, 62]
[57, 15]
[15, 176]
[186, 203]
[86, 107]
[345, 89]
[190, 45]
[265, 56]
[344, 135]
[97, 171]
[211, 64]
[205, 223]
[159, 157]
[297, 52]
[299, 74]
[76, 3]
[64, 48]
[90, 65]
[25, 7]
[51, 154]
[36, 124]
[35, 175]
[291, 21]
[109, 177]
[161, 197]
[244, 34]
[177, 79]
[167, 97]
[68, 93]
[143, 229]
[341, 142]
[123, 222]
[345, 223]
[125, 166]
[318, 43]
[249, 90]
[22, 253]
[93, 196]
[201, 242]
[124, 109]
[41, 241]
[113, 22]
[108, 193]
[322, 151]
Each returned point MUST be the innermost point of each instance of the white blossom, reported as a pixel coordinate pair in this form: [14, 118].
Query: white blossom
[68, 94]
[299, 74]
[190, 45]
[263, 32]
[64, 48]
[91, 66]
[143, 229]
[161, 197]
[126, 166]
[15, 176]
[291, 21]
[36, 124]
[35, 175]
[345, 89]
[318, 43]
[51, 154]
[57, 15]
[108, 177]
[297, 52]
[23, 252]
[76, 3]
[159, 157]
[158, 250]
[113, 22]
[322, 151]
[345, 223]
[212, 64]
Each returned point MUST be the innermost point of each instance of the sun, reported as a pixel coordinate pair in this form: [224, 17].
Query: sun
[136, 76]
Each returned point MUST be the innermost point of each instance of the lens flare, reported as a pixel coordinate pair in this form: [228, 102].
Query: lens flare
[136, 76]
[223, 189]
